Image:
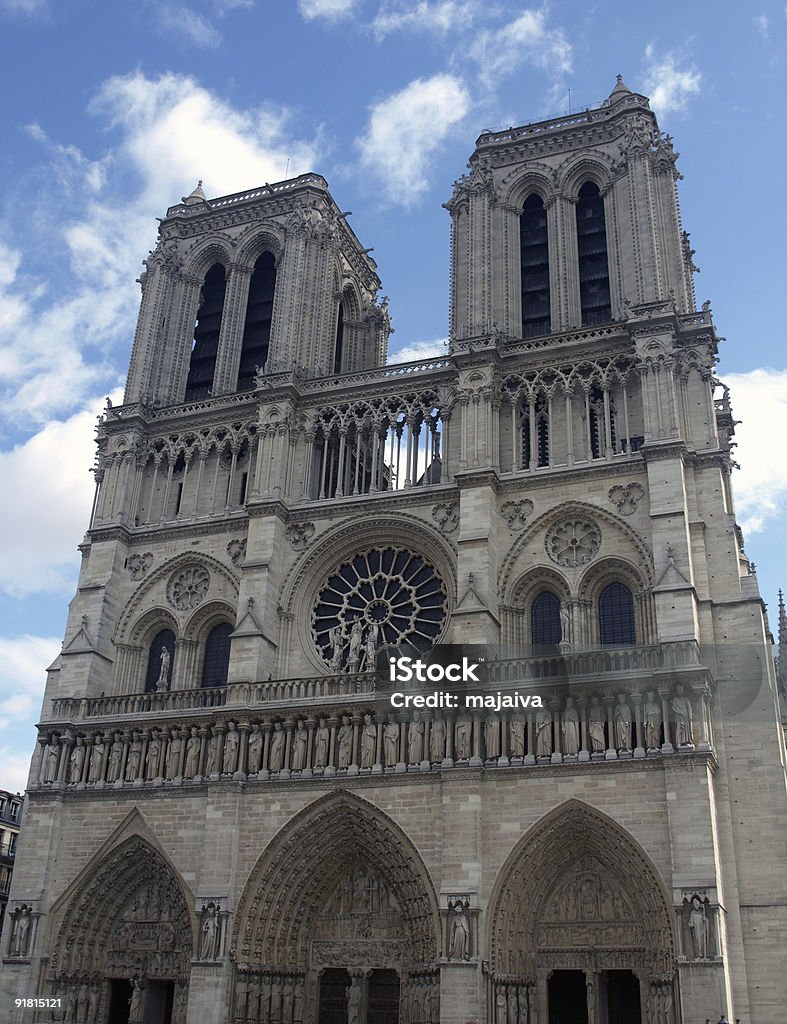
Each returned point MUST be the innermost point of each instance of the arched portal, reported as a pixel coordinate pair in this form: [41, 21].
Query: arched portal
[123, 951]
[580, 927]
[339, 914]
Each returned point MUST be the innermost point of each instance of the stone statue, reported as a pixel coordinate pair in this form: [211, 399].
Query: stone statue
[513, 1010]
[255, 749]
[135, 1002]
[543, 732]
[681, 709]
[345, 740]
[134, 757]
[356, 640]
[651, 715]
[173, 755]
[115, 757]
[212, 765]
[437, 741]
[278, 741]
[565, 624]
[462, 731]
[415, 741]
[354, 1002]
[229, 761]
[77, 761]
[517, 736]
[570, 728]
[193, 751]
[596, 726]
[492, 736]
[52, 758]
[322, 745]
[459, 934]
[162, 683]
[368, 741]
[96, 768]
[209, 933]
[622, 723]
[698, 926]
[336, 639]
[391, 742]
[20, 933]
[154, 755]
[300, 740]
[370, 648]
[501, 1009]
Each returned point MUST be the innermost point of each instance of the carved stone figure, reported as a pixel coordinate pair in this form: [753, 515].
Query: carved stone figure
[300, 738]
[501, 1006]
[255, 749]
[517, 736]
[698, 926]
[565, 624]
[596, 726]
[115, 757]
[513, 1011]
[622, 723]
[229, 761]
[193, 751]
[322, 745]
[437, 741]
[162, 683]
[391, 742]
[173, 755]
[459, 934]
[135, 1008]
[543, 732]
[209, 933]
[154, 755]
[462, 731]
[134, 757]
[278, 741]
[651, 715]
[368, 741]
[336, 639]
[354, 1002]
[77, 761]
[415, 741]
[52, 758]
[370, 648]
[356, 640]
[570, 728]
[681, 709]
[212, 765]
[492, 736]
[96, 768]
[345, 741]
[20, 930]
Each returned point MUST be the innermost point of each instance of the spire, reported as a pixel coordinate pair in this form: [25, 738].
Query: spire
[195, 196]
[781, 656]
[620, 90]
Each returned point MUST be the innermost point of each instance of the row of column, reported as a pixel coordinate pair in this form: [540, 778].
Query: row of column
[269, 998]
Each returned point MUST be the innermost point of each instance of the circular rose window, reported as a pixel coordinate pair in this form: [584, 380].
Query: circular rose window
[379, 597]
[572, 542]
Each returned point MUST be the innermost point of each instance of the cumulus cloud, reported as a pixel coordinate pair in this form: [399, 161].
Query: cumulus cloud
[441, 17]
[331, 10]
[23, 660]
[759, 401]
[182, 23]
[406, 128]
[433, 348]
[527, 39]
[668, 86]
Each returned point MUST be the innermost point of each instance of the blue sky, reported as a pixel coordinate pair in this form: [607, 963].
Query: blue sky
[113, 111]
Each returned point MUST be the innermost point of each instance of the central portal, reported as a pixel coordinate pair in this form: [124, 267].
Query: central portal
[593, 997]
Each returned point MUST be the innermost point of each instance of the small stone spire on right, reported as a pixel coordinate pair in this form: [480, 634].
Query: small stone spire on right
[620, 90]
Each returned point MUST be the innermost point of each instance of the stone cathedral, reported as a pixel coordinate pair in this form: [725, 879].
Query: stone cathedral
[228, 819]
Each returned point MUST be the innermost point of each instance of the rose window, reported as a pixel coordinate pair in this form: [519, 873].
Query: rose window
[572, 542]
[187, 588]
[382, 596]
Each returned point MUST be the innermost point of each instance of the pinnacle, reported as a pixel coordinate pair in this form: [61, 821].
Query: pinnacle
[196, 195]
[620, 90]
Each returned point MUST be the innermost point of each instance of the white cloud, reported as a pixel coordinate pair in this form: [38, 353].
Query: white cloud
[668, 86]
[331, 10]
[225, 6]
[526, 40]
[761, 24]
[441, 17]
[405, 129]
[434, 348]
[24, 6]
[23, 661]
[180, 22]
[759, 401]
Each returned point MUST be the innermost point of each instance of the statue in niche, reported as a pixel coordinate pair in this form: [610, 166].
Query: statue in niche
[322, 745]
[135, 1002]
[391, 742]
[356, 640]
[459, 933]
[162, 683]
[570, 728]
[596, 726]
[21, 919]
[517, 736]
[229, 760]
[353, 993]
[651, 716]
[532, 1005]
[134, 757]
[83, 1000]
[77, 761]
[492, 736]
[565, 624]
[368, 741]
[288, 991]
[370, 648]
[94, 1001]
[255, 749]
[543, 732]
[300, 739]
[71, 1003]
[681, 709]
[336, 638]
[622, 723]
[345, 742]
[297, 1003]
[278, 742]
[193, 751]
[513, 1009]
[212, 765]
[52, 757]
[209, 932]
[173, 755]
[501, 1007]
[588, 899]
[96, 768]
[437, 741]
[115, 757]
[462, 731]
[154, 755]
[698, 927]
[415, 741]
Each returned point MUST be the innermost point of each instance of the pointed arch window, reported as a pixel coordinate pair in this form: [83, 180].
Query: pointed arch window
[603, 434]
[535, 434]
[215, 667]
[160, 659]
[593, 260]
[339, 346]
[259, 318]
[206, 334]
[545, 628]
[616, 616]
[534, 262]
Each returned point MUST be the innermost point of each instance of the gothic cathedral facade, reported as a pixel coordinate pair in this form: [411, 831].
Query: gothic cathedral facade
[227, 819]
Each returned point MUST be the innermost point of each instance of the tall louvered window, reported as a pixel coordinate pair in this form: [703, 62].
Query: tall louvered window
[616, 616]
[534, 249]
[259, 317]
[338, 348]
[593, 262]
[206, 335]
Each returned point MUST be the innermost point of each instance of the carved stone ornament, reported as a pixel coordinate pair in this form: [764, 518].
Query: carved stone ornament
[139, 564]
[573, 542]
[236, 549]
[299, 535]
[446, 515]
[626, 498]
[187, 588]
[516, 513]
